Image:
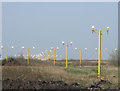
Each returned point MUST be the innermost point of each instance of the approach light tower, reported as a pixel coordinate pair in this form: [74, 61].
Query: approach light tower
[48, 51]
[12, 48]
[57, 48]
[80, 54]
[28, 53]
[63, 43]
[100, 33]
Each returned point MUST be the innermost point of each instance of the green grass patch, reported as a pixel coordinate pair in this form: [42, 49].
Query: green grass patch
[94, 70]
[75, 71]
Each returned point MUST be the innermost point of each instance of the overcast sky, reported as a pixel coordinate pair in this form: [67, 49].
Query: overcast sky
[46, 25]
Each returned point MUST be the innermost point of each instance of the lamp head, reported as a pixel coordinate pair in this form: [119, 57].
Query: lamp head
[76, 48]
[33, 47]
[71, 43]
[108, 28]
[85, 49]
[93, 27]
[1, 47]
[95, 49]
[63, 43]
[57, 48]
[12, 47]
[116, 49]
[23, 47]
[50, 50]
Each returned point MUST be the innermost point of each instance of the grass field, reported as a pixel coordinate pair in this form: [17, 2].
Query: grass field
[84, 75]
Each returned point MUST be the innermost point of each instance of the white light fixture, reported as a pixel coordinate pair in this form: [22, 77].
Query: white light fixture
[85, 49]
[33, 47]
[50, 50]
[93, 27]
[23, 47]
[1, 47]
[95, 49]
[71, 43]
[76, 48]
[57, 48]
[63, 42]
[12, 47]
[108, 28]
[116, 49]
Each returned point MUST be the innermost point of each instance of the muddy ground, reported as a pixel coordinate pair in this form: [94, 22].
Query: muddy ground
[19, 84]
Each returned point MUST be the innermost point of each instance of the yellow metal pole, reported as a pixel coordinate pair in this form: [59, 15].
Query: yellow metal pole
[66, 55]
[54, 55]
[48, 56]
[99, 62]
[7, 54]
[80, 56]
[28, 56]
